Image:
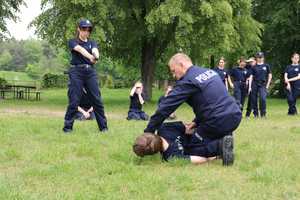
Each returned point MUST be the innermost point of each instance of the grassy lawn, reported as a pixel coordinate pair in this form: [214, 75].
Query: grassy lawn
[37, 161]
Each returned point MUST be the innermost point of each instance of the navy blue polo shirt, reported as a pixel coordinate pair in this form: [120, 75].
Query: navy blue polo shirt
[261, 72]
[222, 73]
[135, 103]
[85, 101]
[174, 134]
[239, 74]
[205, 92]
[293, 71]
[78, 58]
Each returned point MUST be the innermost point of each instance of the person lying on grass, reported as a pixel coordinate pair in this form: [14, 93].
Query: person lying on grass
[172, 141]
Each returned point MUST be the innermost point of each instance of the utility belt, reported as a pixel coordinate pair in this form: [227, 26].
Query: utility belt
[83, 66]
[260, 82]
[240, 81]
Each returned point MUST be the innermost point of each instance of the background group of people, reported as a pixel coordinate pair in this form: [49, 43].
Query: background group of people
[217, 114]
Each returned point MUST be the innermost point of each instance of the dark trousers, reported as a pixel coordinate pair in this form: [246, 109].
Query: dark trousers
[249, 107]
[196, 144]
[137, 115]
[259, 90]
[292, 99]
[240, 93]
[82, 77]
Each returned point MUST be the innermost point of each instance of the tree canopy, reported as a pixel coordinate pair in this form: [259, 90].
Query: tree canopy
[8, 10]
[146, 33]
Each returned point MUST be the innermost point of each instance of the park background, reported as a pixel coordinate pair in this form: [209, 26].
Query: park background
[136, 38]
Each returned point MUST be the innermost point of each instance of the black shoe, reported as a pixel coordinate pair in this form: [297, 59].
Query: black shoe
[105, 130]
[227, 153]
[67, 130]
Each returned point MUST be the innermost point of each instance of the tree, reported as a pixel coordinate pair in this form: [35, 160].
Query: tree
[281, 37]
[5, 60]
[143, 32]
[8, 10]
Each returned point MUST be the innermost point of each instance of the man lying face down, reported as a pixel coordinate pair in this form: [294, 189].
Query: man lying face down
[172, 141]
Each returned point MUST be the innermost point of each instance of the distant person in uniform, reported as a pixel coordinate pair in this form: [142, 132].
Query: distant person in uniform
[217, 114]
[136, 103]
[262, 77]
[239, 75]
[220, 69]
[172, 142]
[82, 74]
[85, 108]
[292, 81]
[168, 90]
[251, 62]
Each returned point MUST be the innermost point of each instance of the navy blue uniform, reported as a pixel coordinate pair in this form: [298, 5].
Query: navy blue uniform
[249, 108]
[83, 75]
[217, 113]
[183, 146]
[135, 109]
[239, 77]
[85, 104]
[293, 71]
[260, 78]
[222, 73]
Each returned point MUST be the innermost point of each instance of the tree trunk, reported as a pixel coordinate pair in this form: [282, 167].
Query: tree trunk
[148, 66]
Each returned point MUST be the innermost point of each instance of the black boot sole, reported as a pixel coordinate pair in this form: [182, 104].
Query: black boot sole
[227, 151]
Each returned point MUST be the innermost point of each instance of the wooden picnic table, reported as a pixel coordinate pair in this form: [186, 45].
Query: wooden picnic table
[21, 91]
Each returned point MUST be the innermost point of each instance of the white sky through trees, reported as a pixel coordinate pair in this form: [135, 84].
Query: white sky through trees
[19, 29]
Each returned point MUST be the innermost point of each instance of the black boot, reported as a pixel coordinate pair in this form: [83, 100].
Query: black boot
[226, 147]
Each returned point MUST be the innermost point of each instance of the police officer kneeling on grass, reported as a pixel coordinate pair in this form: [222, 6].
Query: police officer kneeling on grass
[217, 114]
[82, 74]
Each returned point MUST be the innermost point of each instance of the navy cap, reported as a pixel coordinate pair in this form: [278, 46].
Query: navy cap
[85, 23]
[260, 55]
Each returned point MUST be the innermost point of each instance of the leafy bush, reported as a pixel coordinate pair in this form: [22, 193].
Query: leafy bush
[55, 80]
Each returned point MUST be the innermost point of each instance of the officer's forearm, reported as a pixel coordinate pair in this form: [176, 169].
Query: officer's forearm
[294, 79]
[269, 80]
[95, 53]
[84, 52]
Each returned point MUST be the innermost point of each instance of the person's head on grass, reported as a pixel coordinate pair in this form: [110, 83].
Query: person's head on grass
[147, 144]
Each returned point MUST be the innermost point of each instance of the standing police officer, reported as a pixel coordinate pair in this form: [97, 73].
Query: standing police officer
[251, 62]
[216, 112]
[240, 75]
[292, 81]
[222, 72]
[262, 77]
[82, 74]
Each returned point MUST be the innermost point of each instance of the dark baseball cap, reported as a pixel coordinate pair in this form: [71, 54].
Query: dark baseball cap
[85, 23]
[259, 55]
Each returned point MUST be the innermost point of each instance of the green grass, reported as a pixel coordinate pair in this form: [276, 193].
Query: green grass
[21, 78]
[37, 161]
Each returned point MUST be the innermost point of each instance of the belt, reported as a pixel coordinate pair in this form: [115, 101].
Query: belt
[82, 65]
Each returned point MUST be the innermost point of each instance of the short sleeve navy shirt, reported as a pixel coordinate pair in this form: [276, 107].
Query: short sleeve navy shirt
[135, 103]
[293, 71]
[222, 73]
[261, 72]
[239, 74]
[78, 58]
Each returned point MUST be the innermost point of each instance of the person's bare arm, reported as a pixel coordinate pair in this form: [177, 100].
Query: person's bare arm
[132, 91]
[85, 114]
[269, 80]
[230, 82]
[197, 160]
[294, 79]
[141, 99]
[250, 83]
[85, 53]
[95, 53]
